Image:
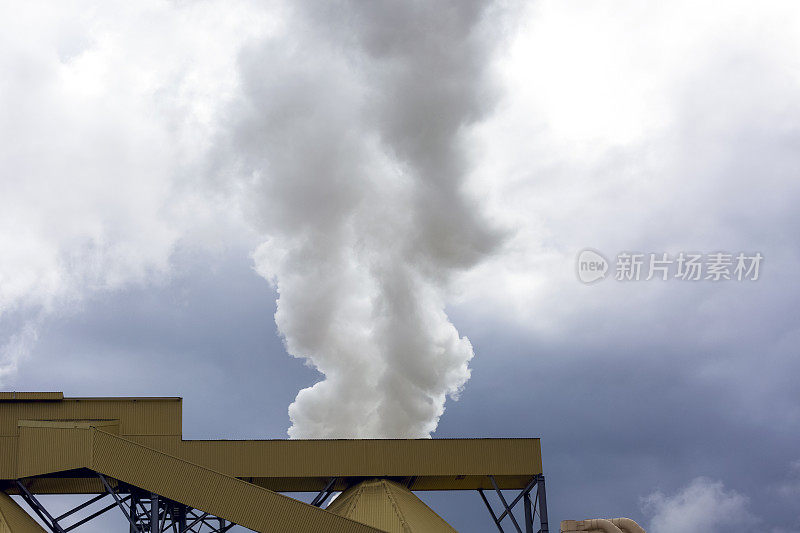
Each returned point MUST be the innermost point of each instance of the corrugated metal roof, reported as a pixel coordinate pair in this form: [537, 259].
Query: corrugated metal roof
[388, 506]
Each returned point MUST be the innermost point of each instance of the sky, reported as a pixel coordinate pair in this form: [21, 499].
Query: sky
[363, 220]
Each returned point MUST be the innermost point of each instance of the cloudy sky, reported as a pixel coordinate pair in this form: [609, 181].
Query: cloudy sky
[362, 219]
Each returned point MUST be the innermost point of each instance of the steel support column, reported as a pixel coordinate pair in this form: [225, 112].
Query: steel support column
[541, 496]
[526, 501]
[529, 505]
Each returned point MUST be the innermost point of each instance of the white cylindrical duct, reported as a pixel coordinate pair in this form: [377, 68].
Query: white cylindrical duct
[601, 525]
[627, 525]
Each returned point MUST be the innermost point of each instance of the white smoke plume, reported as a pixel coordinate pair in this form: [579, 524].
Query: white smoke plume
[352, 147]
[335, 131]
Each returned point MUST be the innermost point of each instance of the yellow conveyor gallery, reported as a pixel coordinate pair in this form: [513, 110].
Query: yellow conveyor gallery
[127, 455]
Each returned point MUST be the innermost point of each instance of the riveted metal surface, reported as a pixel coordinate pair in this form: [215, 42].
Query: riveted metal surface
[14, 519]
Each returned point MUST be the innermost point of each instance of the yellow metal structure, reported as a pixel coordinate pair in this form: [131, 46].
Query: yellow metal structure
[57, 445]
[14, 519]
[81, 446]
[388, 506]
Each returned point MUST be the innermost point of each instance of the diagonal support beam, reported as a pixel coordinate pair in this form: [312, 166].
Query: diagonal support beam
[95, 515]
[324, 494]
[39, 509]
[505, 504]
[81, 506]
[530, 502]
[117, 499]
[491, 511]
[192, 524]
[525, 491]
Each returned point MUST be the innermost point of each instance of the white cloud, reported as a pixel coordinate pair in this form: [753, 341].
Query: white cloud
[107, 108]
[656, 128]
[703, 506]
[790, 487]
[347, 167]
[623, 126]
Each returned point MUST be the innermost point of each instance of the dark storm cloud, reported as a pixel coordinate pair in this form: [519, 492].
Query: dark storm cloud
[665, 128]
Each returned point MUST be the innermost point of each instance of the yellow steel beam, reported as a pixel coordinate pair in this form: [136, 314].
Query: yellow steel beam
[83, 446]
[279, 465]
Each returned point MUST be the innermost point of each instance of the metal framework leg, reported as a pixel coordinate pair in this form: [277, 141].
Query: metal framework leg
[541, 496]
[134, 512]
[526, 501]
[55, 524]
[117, 499]
[155, 516]
[146, 512]
[491, 511]
[39, 509]
[529, 504]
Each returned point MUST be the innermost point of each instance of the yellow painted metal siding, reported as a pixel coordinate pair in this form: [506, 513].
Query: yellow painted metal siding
[279, 465]
[209, 491]
[518, 458]
[43, 450]
[8, 457]
[368, 502]
[139, 416]
[109, 426]
[61, 485]
[416, 516]
[388, 506]
[31, 396]
[14, 519]
[307, 465]
[71, 446]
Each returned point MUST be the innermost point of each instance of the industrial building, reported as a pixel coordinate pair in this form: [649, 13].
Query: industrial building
[127, 455]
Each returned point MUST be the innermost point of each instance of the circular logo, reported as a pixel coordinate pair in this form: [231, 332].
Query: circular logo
[591, 266]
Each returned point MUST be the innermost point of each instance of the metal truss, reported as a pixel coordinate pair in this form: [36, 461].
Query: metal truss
[529, 504]
[324, 494]
[145, 511]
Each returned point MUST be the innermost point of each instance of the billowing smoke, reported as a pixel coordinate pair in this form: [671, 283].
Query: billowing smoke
[335, 130]
[350, 138]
